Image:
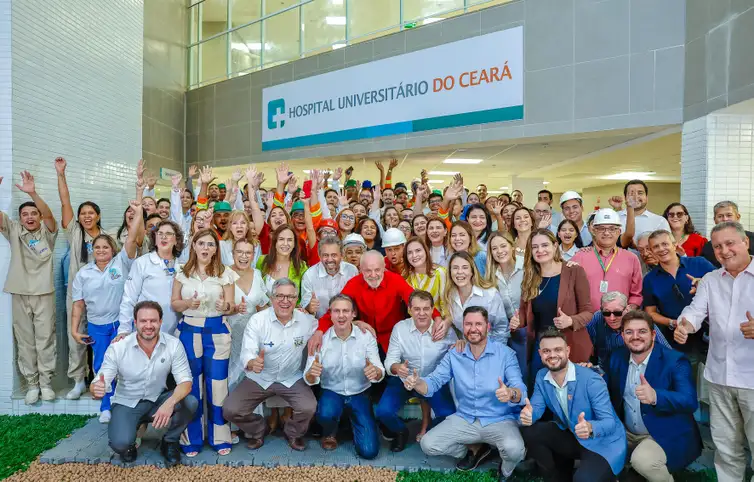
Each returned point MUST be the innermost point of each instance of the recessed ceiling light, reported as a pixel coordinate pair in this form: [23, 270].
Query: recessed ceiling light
[435, 181]
[335, 20]
[462, 161]
[545, 182]
[630, 175]
[443, 173]
[504, 188]
[494, 192]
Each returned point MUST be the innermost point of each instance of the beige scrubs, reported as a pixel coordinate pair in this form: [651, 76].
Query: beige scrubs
[30, 282]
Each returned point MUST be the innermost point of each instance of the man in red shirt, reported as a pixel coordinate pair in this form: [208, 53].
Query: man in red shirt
[382, 301]
[394, 244]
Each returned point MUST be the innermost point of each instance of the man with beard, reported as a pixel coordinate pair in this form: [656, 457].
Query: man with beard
[584, 425]
[652, 390]
[490, 393]
[637, 193]
[394, 244]
[326, 278]
[220, 217]
[213, 192]
[141, 363]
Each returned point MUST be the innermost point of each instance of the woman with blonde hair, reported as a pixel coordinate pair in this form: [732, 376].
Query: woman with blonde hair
[461, 238]
[240, 227]
[523, 224]
[203, 293]
[553, 294]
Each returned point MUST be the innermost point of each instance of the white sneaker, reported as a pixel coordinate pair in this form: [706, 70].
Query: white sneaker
[32, 396]
[104, 416]
[76, 391]
[48, 394]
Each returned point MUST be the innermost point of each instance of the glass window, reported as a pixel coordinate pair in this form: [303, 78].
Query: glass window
[214, 18]
[246, 48]
[431, 10]
[194, 65]
[213, 56]
[474, 5]
[369, 16]
[272, 6]
[323, 25]
[194, 26]
[282, 37]
[244, 11]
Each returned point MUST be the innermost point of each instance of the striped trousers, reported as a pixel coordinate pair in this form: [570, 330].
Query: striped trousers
[207, 344]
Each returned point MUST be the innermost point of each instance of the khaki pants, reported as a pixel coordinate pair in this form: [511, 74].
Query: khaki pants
[732, 425]
[34, 331]
[647, 458]
[77, 363]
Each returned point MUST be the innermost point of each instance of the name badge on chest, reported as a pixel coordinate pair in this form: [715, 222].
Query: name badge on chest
[603, 286]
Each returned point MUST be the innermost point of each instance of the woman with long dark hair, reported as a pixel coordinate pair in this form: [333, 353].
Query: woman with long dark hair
[435, 238]
[370, 231]
[569, 239]
[283, 260]
[682, 228]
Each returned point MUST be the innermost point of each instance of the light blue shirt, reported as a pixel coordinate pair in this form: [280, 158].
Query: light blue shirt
[633, 419]
[102, 290]
[562, 392]
[476, 381]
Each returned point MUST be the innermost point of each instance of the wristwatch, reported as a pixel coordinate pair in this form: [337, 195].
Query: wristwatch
[672, 324]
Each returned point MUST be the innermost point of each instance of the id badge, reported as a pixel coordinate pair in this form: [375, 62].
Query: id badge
[603, 286]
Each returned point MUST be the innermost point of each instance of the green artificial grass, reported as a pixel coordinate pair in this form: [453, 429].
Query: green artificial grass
[25, 437]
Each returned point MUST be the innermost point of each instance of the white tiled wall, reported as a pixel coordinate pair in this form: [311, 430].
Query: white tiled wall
[76, 83]
[694, 173]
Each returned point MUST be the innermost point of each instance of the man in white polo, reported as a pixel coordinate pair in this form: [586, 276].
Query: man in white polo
[644, 219]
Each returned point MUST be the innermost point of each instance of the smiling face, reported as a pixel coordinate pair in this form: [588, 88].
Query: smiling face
[88, 217]
[221, 220]
[205, 248]
[365, 197]
[481, 191]
[360, 211]
[368, 230]
[606, 235]
[391, 218]
[638, 192]
[284, 245]
[243, 253]
[518, 196]
[502, 251]
[388, 197]
[522, 221]
[405, 228]
[284, 301]
[277, 218]
[239, 227]
[186, 199]
[346, 220]
[459, 239]
[731, 249]
[638, 336]
[567, 234]
[554, 353]
[662, 248]
[573, 210]
[420, 226]
[147, 324]
[461, 272]
[421, 311]
[477, 219]
[353, 253]
[329, 255]
[148, 205]
[298, 220]
[401, 198]
[342, 315]
[31, 218]
[542, 249]
[416, 255]
[165, 237]
[214, 192]
[677, 218]
[508, 211]
[727, 213]
[475, 328]
[436, 232]
[103, 252]
[163, 209]
[472, 198]
[202, 221]
[435, 201]
[373, 269]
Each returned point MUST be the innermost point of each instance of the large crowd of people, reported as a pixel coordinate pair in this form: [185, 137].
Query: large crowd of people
[228, 311]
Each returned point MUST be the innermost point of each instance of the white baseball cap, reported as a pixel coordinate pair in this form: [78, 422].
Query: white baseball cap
[606, 216]
[354, 238]
[568, 195]
[393, 237]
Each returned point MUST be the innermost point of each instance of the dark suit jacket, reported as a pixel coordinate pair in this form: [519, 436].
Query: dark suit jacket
[709, 253]
[671, 420]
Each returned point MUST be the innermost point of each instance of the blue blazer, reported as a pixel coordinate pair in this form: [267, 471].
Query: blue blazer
[671, 421]
[587, 394]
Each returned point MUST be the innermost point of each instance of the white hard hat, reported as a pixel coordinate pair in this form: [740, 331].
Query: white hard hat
[606, 216]
[568, 195]
[354, 238]
[393, 237]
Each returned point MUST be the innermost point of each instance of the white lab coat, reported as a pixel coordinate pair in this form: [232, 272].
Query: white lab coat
[148, 280]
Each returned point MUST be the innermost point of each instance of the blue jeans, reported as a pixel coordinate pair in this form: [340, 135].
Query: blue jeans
[102, 336]
[365, 435]
[395, 397]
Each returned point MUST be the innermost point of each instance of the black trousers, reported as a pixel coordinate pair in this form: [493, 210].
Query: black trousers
[555, 450]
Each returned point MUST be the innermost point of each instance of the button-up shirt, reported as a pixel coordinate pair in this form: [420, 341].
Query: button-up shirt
[141, 377]
[562, 392]
[177, 215]
[510, 289]
[476, 381]
[207, 291]
[149, 279]
[624, 273]
[407, 343]
[725, 300]
[633, 419]
[102, 290]
[488, 298]
[645, 222]
[31, 258]
[283, 345]
[343, 362]
[316, 280]
[606, 340]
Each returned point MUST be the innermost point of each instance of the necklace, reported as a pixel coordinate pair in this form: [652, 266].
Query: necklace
[545, 286]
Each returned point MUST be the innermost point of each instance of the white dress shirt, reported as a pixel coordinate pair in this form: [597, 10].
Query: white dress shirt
[141, 377]
[725, 300]
[421, 352]
[283, 345]
[343, 362]
[316, 280]
[207, 291]
[102, 291]
[178, 217]
[149, 279]
[488, 298]
[644, 222]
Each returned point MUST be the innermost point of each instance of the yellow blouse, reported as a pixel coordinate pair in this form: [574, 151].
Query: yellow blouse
[434, 284]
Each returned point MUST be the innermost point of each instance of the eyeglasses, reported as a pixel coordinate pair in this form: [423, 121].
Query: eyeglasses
[243, 254]
[348, 217]
[286, 297]
[676, 215]
[607, 313]
[606, 229]
[165, 234]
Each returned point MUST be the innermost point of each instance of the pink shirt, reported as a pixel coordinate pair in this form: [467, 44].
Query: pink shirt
[624, 274]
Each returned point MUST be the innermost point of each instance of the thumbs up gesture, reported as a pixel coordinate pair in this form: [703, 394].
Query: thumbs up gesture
[645, 393]
[681, 333]
[515, 322]
[694, 283]
[562, 321]
[503, 393]
[97, 387]
[400, 369]
[526, 413]
[410, 382]
[257, 364]
[194, 302]
[583, 428]
[242, 308]
[220, 303]
[747, 327]
[315, 371]
[371, 372]
[313, 304]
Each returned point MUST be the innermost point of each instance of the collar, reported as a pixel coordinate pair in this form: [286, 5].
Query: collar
[322, 271]
[135, 341]
[499, 274]
[332, 335]
[382, 284]
[570, 376]
[602, 251]
[682, 264]
[489, 349]
[412, 326]
[749, 269]
[155, 259]
[93, 266]
[274, 317]
[644, 363]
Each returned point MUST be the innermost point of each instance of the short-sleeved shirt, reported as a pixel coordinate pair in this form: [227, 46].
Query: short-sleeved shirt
[31, 258]
[207, 291]
[102, 290]
[76, 236]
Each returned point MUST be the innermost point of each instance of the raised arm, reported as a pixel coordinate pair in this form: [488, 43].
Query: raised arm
[311, 234]
[254, 179]
[135, 229]
[381, 168]
[389, 177]
[29, 187]
[283, 176]
[65, 196]
[176, 205]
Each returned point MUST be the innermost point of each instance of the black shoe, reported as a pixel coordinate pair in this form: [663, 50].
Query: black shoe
[398, 444]
[472, 461]
[387, 434]
[129, 455]
[172, 453]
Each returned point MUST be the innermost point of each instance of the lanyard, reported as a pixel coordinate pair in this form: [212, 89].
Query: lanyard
[605, 269]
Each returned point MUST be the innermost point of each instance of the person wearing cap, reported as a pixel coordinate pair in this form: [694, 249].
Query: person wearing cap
[365, 196]
[354, 247]
[608, 267]
[326, 278]
[573, 208]
[351, 189]
[636, 194]
[394, 243]
[222, 191]
[401, 194]
[220, 217]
